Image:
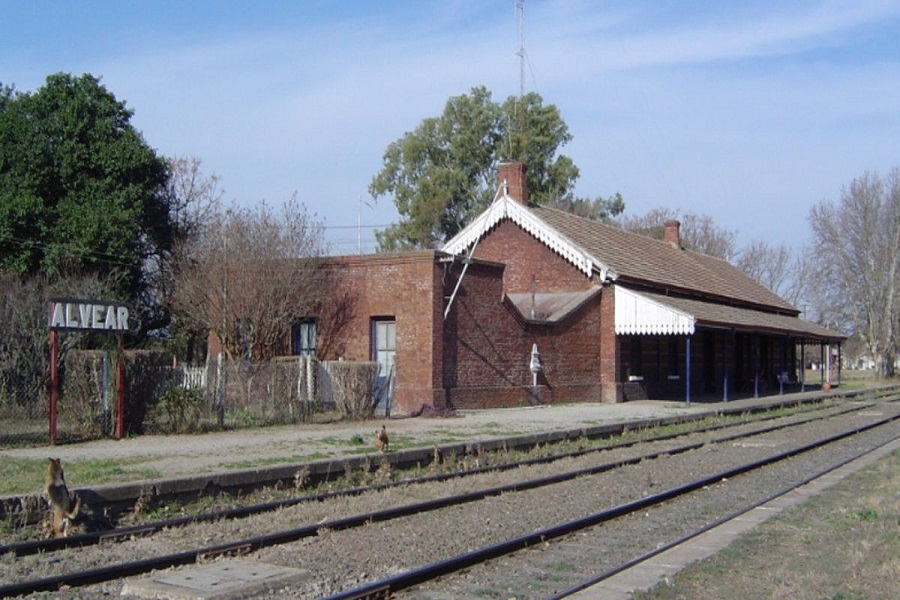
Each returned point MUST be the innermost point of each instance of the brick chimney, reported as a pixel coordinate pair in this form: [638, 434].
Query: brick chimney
[673, 233]
[512, 174]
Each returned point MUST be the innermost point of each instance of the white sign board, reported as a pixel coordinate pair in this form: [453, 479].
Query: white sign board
[93, 315]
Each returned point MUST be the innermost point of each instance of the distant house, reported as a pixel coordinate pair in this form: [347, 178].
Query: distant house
[608, 315]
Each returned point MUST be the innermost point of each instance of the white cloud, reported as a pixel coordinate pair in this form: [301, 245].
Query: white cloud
[741, 110]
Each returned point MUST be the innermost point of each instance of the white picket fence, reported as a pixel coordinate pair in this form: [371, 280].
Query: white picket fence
[191, 378]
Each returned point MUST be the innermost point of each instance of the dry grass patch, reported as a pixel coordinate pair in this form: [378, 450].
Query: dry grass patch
[841, 545]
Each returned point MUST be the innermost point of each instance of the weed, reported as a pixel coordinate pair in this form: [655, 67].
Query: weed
[864, 514]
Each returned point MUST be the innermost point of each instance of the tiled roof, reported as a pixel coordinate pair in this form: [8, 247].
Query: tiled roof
[644, 261]
[681, 283]
[722, 315]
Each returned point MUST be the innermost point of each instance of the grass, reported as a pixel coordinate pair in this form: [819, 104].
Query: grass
[841, 545]
[26, 475]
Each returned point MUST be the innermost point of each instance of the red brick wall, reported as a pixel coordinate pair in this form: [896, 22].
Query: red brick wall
[479, 357]
[405, 287]
[526, 257]
[487, 348]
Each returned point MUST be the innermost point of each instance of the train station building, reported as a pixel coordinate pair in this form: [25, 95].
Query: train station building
[529, 304]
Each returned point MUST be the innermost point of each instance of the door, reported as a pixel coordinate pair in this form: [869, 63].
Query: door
[384, 349]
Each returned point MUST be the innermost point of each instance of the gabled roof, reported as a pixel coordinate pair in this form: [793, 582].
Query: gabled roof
[504, 207]
[660, 288]
[645, 261]
[616, 254]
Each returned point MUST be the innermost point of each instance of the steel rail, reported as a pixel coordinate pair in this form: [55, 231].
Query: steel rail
[117, 571]
[91, 538]
[712, 525]
[444, 567]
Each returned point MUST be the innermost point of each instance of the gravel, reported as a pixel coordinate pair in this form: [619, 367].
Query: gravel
[337, 560]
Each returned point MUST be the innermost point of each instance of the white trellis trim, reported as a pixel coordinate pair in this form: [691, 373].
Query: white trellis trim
[638, 314]
[504, 207]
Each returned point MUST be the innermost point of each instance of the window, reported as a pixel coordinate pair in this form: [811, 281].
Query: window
[303, 338]
[384, 343]
[384, 350]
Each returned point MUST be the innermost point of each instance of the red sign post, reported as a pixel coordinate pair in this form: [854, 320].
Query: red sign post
[95, 316]
[54, 383]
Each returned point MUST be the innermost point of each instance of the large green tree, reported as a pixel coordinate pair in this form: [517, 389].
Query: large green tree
[444, 172]
[81, 192]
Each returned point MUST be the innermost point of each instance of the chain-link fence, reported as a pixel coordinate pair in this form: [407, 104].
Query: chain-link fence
[159, 397]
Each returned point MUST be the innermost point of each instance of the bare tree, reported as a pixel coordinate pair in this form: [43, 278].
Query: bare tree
[250, 275]
[698, 232]
[194, 196]
[778, 267]
[24, 334]
[858, 251]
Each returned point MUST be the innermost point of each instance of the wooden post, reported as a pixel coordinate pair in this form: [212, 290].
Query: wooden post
[54, 383]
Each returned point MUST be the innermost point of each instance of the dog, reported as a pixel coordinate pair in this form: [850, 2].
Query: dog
[381, 439]
[63, 505]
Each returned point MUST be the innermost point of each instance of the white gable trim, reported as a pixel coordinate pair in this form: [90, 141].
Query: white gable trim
[638, 314]
[504, 207]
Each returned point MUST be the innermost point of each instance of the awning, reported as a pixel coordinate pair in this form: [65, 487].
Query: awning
[648, 313]
[639, 314]
[548, 308]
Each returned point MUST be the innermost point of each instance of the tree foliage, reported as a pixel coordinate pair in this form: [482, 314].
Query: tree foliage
[857, 241]
[598, 209]
[81, 192]
[244, 278]
[698, 231]
[443, 173]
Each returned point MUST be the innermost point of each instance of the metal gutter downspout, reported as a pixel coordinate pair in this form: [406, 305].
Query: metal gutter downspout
[466, 262]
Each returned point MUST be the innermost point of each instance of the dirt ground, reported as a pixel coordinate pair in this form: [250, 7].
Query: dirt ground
[184, 455]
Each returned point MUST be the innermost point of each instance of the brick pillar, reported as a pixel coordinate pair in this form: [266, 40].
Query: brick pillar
[513, 174]
[610, 390]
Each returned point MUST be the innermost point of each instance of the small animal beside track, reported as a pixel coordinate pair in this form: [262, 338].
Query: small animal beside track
[381, 439]
[64, 506]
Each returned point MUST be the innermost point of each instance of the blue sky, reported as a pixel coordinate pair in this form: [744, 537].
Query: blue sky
[749, 111]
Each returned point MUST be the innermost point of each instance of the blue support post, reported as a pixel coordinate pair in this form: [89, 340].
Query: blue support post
[726, 338]
[803, 366]
[687, 386]
[756, 365]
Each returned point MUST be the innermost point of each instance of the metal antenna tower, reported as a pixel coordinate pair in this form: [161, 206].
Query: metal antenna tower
[520, 10]
[520, 108]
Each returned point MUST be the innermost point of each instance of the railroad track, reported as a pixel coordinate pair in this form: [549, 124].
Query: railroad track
[363, 520]
[547, 548]
[124, 533]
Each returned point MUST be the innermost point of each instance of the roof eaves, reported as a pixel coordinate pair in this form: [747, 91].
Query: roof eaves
[505, 207]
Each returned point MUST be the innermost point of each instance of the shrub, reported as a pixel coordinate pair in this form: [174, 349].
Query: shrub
[179, 410]
[353, 383]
